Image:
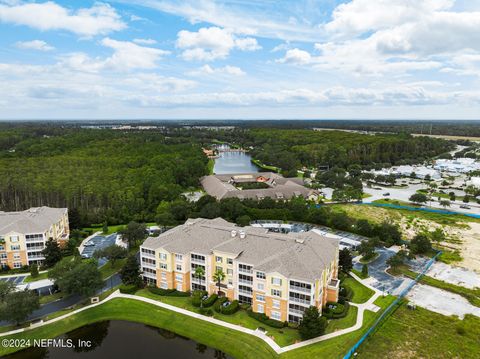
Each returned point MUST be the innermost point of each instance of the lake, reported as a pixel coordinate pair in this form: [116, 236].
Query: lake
[121, 339]
[234, 162]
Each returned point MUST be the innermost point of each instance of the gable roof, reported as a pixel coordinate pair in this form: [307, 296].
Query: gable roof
[33, 220]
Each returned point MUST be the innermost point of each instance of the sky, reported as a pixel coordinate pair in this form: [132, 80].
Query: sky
[240, 59]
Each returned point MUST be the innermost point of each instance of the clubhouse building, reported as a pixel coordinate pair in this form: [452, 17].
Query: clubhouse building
[280, 275]
[23, 234]
[268, 184]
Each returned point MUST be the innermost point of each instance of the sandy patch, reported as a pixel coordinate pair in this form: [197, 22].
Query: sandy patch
[454, 275]
[470, 248]
[441, 301]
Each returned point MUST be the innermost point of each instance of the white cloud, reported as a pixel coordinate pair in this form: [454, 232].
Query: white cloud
[211, 43]
[126, 56]
[145, 41]
[226, 70]
[296, 57]
[39, 45]
[98, 19]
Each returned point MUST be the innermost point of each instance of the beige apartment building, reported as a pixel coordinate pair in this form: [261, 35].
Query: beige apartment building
[280, 275]
[23, 234]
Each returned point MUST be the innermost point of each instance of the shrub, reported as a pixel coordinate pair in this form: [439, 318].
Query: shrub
[210, 301]
[460, 329]
[340, 311]
[261, 317]
[206, 311]
[245, 306]
[168, 292]
[229, 309]
[128, 288]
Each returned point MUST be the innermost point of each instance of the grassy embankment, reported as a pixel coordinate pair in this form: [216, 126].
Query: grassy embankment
[421, 333]
[266, 167]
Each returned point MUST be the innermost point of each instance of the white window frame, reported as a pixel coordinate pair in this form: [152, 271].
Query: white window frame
[276, 304]
[260, 308]
[276, 281]
[163, 256]
[276, 315]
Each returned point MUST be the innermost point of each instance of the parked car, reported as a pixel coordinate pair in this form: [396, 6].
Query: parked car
[386, 194]
[464, 206]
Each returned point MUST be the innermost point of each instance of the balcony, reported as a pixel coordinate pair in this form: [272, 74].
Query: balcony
[300, 301]
[245, 292]
[197, 261]
[295, 312]
[149, 275]
[148, 255]
[245, 271]
[245, 282]
[41, 257]
[150, 265]
[300, 289]
[36, 248]
[30, 240]
[198, 280]
[334, 284]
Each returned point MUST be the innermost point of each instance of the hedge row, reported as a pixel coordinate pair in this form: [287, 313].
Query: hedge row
[229, 309]
[262, 317]
[128, 288]
[339, 312]
[168, 292]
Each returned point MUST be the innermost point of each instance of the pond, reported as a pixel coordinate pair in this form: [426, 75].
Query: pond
[233, 162]
[121, 339]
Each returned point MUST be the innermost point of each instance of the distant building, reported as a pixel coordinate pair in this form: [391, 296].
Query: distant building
[459, 165]
[280, 275]
[23, 234]
[405, 171]
[278, 187]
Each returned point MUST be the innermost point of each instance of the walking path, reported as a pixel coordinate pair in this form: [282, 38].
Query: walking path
[259, 334]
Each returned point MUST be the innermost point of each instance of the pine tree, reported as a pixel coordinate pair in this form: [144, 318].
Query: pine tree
[130, 273]
[52, 253]
[312, 324]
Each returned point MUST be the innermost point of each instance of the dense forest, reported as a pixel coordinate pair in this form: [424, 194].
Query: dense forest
[104, 174]
[291, 149]
[118, 176]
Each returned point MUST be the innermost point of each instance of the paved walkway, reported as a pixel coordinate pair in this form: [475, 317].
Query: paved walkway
[361, 309]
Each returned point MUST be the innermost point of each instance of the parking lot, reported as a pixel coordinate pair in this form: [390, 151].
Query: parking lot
[97, 242]
[17, 279]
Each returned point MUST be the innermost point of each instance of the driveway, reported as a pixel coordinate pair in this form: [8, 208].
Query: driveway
[383, 281]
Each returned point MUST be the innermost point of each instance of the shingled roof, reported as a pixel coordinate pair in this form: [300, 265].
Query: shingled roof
[301, 256]
[30, 221]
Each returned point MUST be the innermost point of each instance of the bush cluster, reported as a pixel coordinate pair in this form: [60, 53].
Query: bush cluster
[168, 292]
[197, 297]
[340, 311]
[128, 288]
[229, 309]
[262, 317]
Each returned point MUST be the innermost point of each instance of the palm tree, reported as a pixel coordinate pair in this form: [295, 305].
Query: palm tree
[445, 203]
[199, 273]
[218, 277]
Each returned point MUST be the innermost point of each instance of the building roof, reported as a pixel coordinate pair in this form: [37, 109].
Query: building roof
[301, 256]
[222, 186]
[33, 220]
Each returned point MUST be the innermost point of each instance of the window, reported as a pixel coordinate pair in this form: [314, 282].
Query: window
[276, 281]
[276, 304]
[179, 287]
[163, 266]
[163, 285]
[276, 315]
[260, 275]
[260, 308]
[3, 255]
[15, 247]
[179, 278]
[276, 293]
[218, 269]
[179, 267]
[219, 259]
[197, 257]
[229, 261]
[178, 257]
[260, 286]
[16, 255]
[34, 237]
[2, 248]
[230, 282]
[260, 298]
[163, 256]
[230, 271]
[13, 239]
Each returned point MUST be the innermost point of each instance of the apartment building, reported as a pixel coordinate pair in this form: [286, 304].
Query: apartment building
[23, 234]
[280, 275]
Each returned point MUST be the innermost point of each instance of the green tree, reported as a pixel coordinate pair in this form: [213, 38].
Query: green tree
[243, 220]
[130, 272]
[420, 244]
[438, 235]
[133, 233]
[34, 271]
[452, 196]
[219, 277]
[52, 253]
[112, 253]
[365, 271]
[445, 203]
[6, 287]
[17, 306]
[312, 324]
[105, 228]
[76, 276]
[466, 199]
[345, 260]
[396, 260]
[199, 273]
[418, 198]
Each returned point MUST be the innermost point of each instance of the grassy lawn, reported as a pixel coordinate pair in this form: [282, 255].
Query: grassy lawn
[44, 299]
[420, 333]
[39, 277]
[472, 295]
[283, 336]
[232, 342]
[360, 293]
[210, 166]
[366, 261]
[111, 229]
[266, 167]
[108, 270]
[349, 320]
[359, 273]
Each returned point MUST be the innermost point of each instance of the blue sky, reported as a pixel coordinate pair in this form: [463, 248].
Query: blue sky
[205, 59]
